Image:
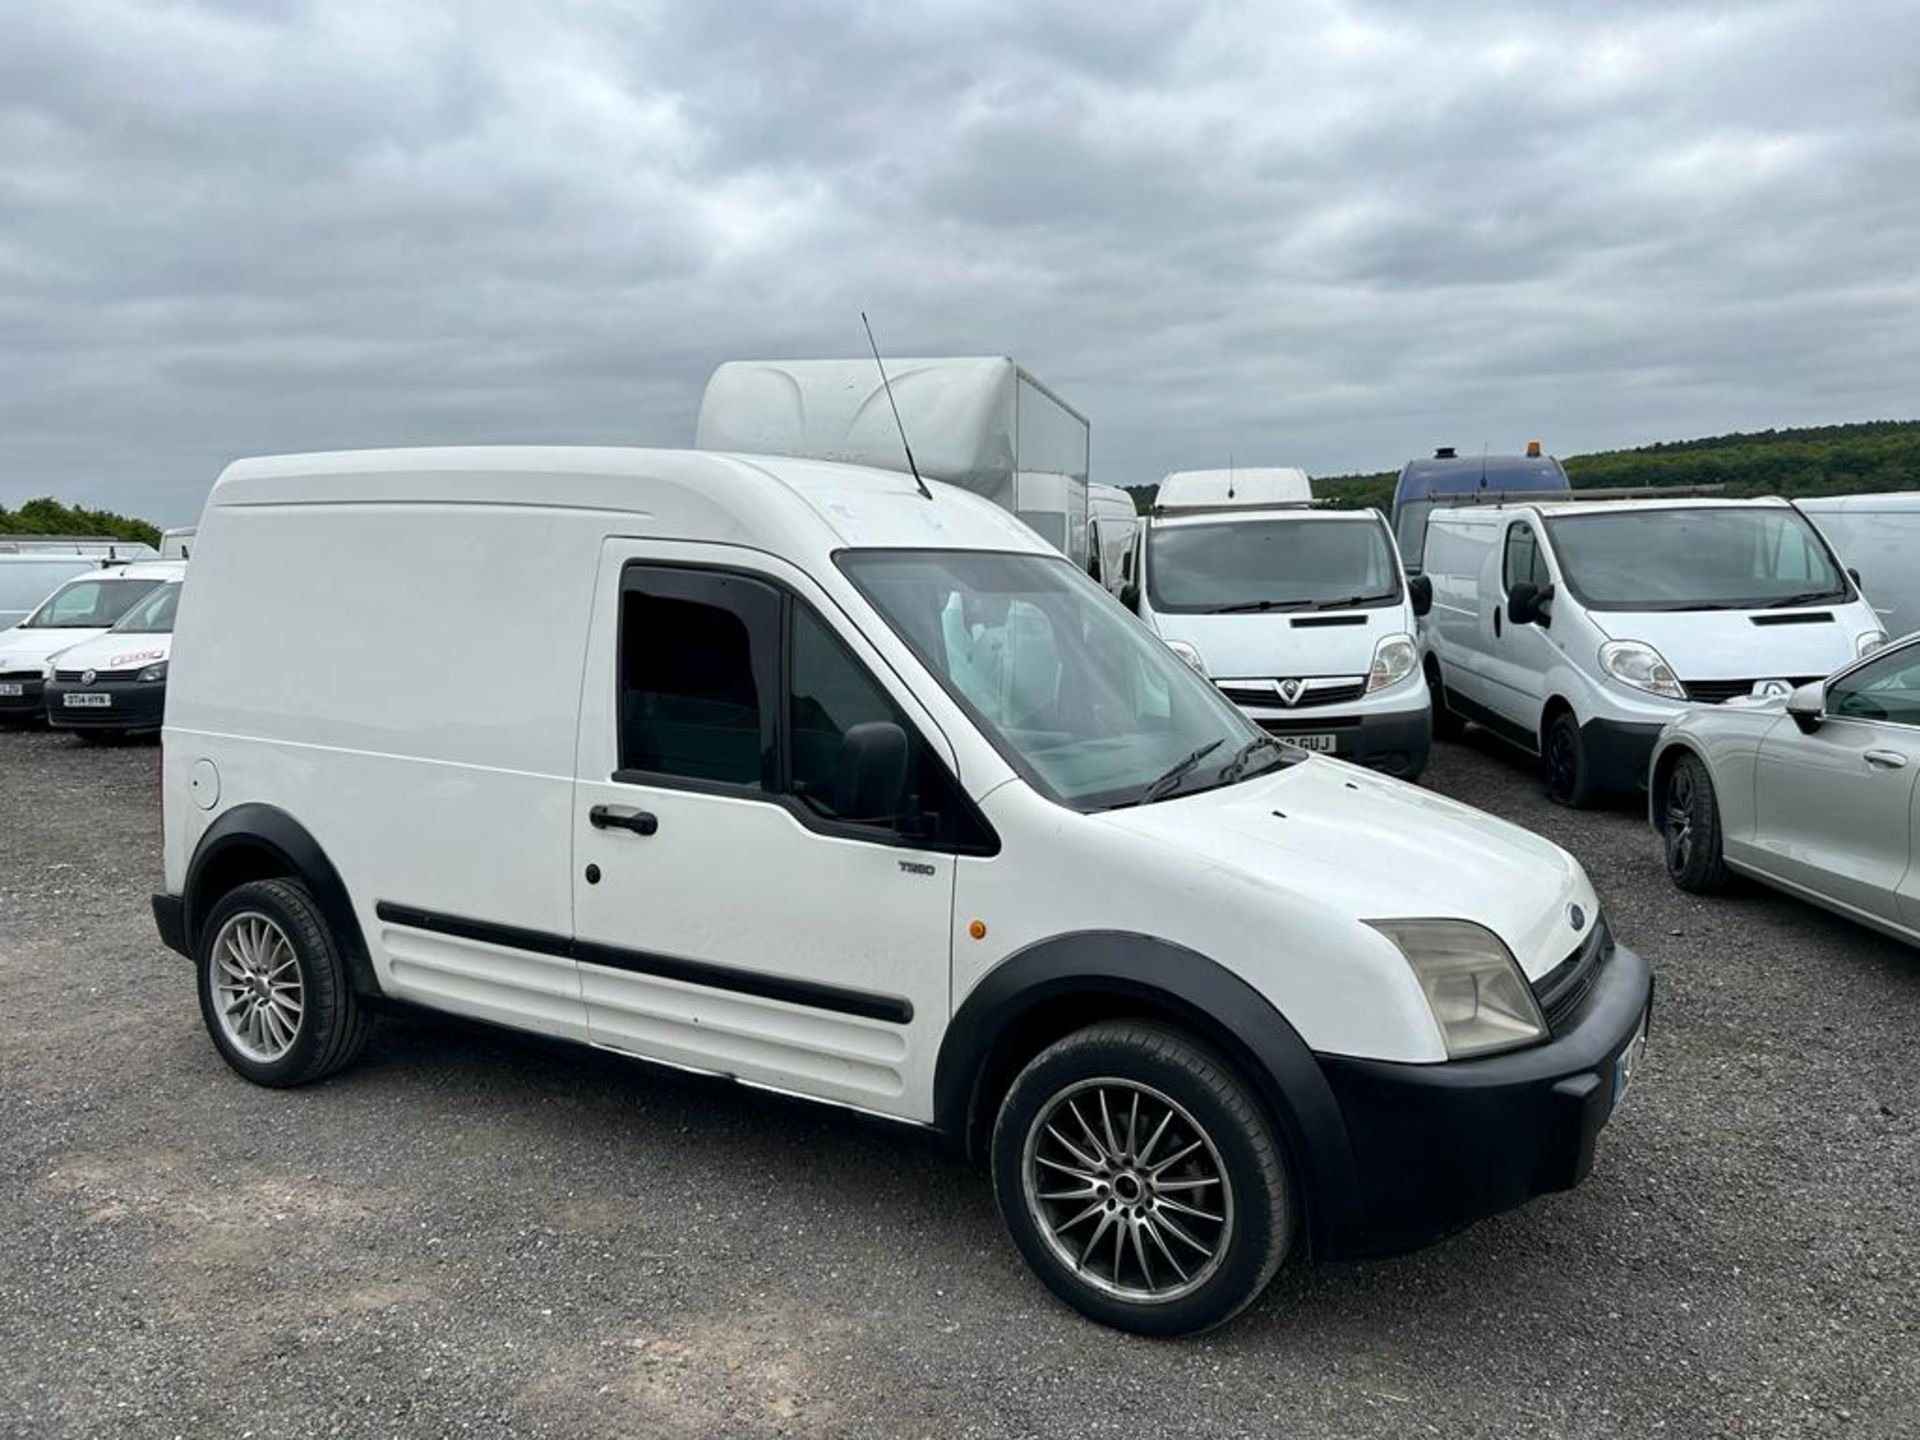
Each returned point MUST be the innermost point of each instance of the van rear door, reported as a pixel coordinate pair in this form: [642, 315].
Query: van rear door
[730, 913]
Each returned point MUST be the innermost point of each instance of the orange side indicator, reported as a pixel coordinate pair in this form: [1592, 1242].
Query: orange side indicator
[977, 929]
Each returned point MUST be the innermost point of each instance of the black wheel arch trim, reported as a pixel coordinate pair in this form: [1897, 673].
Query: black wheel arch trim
[275, 833]
[1221, 1009]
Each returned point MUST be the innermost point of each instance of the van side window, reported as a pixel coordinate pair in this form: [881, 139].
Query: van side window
[699, 669]
[828, 694]
[1523, 563]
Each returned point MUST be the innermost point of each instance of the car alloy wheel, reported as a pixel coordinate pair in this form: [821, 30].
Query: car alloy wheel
[258, 994]
[1128, 1190]
[1682, 802]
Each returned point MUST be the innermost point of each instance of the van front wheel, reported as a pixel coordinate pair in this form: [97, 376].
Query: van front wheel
[274, 991]
[1564, 756]
[1142, 1180]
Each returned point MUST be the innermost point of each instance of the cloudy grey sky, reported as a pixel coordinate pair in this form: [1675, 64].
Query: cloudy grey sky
[1331, 232]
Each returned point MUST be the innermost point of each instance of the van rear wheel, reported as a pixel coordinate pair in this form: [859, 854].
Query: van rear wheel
[1142, 1180]
[274, 991]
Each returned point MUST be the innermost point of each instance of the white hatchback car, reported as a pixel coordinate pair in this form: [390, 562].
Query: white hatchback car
[1811, 791]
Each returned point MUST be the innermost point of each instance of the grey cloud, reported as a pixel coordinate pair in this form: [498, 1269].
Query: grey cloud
[1321, 232]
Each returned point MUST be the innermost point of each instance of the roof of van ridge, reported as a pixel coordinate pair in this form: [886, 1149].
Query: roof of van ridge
[1574, 505]
[1449, 475]
[694, 494]
[1236, 485]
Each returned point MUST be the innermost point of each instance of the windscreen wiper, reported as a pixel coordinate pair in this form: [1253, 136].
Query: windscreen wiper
[1177, 772]
[1806, 597]
[1349, 601]
[1233, 769]
[1248, 607]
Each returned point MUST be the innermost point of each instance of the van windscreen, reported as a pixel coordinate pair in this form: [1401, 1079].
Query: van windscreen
[1287, 563]
[1695, 558]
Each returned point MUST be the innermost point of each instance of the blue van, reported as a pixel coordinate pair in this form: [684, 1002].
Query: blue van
[1449, 474]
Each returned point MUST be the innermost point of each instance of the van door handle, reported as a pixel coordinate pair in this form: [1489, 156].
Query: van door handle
[622, 817]
[1886, 759]
[1496, 620]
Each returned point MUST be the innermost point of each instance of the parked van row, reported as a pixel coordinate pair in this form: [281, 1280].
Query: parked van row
[92, 656]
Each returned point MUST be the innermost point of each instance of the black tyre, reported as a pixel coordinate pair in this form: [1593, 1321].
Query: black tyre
[1142, 1179]
[1690, 828]
[1563, 756]
[1446, 724]
[273, 986]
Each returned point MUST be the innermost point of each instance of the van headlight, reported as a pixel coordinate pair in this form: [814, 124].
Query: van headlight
[1869, 642]
[1636, 663]
[153, 674]
[1187, 653]
[1473, 985]
[1394, 659]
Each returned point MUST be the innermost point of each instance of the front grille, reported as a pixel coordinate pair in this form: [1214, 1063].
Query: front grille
[1325, 690]
[1718, 692]
[19, 674]
[100, 677]
[1563, 990]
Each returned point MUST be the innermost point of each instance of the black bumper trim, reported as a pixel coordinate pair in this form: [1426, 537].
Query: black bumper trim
[170, 919]
[28, 705]
[1396, 743]
[135, 707]
[1437, 1147]
[1617, 753]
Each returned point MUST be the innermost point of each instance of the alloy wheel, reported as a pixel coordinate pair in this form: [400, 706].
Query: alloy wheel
[257, 991]
[1680, 807]
[1128, 1190]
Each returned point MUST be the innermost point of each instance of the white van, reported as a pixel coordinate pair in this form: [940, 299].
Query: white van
[83, 608]
[1576, 630]
[1113, 524]
[809, 780]
[1303, 617]
[116, 685]
[1878, 539]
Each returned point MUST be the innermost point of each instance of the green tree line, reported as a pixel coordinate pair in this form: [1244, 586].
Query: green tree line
[47, 516]
[1855, 459]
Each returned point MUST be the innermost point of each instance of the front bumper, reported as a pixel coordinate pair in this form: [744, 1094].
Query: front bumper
[1618, 752]
[1396, 742]
[133, 706]
[1436, 1147]
[28, 704]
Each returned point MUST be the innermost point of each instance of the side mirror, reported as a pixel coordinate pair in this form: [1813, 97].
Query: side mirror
[1527, 604]
[1808, 705]
[871, 782]
[1854, 575]
[1130, 596]
[1420, 592]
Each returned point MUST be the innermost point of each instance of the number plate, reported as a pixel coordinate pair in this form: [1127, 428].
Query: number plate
[1320, 744]
[86, 700]
[12, 687]
[1628, 1061]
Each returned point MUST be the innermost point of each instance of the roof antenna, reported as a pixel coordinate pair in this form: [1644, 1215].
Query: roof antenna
[1230, 475]
[1483, 463]
[887, 385]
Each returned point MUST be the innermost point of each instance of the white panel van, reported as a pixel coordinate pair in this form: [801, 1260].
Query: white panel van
[1878, 538]
[1303, 617]
[810, 780]
[1576, 630]
[84, 608]
[1113, 524]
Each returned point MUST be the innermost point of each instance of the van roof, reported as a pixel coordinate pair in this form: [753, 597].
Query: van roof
[1455, 475]
[777, 503]
[1250, 485]
[1574, 506]
[1884, 500]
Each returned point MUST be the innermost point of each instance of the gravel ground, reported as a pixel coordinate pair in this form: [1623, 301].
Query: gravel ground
[472, 1234]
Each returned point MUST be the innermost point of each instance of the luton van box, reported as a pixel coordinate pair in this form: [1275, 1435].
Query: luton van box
[984, 424]
[1577, 630]
[809, 780]
[1878, 537]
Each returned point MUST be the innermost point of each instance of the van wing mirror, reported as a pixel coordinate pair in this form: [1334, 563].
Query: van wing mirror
[871, 781]
[1808, 705]
[1130, 596]
[1420, 592]
[1527, 604]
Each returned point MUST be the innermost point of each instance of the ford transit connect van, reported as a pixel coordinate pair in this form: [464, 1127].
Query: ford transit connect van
[1301, 616]
[785, 771]
[1577, 630]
